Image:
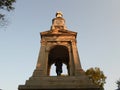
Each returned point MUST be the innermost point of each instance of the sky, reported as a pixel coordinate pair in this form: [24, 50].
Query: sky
[97, 23]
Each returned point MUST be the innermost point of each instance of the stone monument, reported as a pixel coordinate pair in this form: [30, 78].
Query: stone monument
[58, 46]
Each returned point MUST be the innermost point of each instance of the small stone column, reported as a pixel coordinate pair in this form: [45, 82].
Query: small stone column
[78, 68]
[40, 67]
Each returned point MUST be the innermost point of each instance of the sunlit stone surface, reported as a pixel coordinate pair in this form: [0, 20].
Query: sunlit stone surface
[57, 44]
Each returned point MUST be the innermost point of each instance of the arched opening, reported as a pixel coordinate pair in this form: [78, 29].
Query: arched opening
[58, 61]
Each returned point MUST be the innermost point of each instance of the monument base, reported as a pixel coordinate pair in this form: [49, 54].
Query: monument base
[59, 83]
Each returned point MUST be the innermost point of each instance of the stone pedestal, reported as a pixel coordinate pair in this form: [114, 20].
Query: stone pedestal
[59, 83]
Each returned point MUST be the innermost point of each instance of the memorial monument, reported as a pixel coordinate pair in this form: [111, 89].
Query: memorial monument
[58, 46]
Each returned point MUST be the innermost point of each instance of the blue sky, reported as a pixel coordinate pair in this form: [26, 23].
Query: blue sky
[96, 21]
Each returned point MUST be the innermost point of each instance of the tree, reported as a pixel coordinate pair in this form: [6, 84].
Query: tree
[118, 83]
[96, 76]
[5, 5]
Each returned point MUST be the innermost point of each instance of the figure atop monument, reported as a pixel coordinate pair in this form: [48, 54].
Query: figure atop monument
[59, 14]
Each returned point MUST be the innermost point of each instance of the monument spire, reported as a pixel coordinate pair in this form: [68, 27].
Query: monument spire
[58, 23]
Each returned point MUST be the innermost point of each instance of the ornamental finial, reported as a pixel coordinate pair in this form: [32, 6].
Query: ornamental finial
[59, 14]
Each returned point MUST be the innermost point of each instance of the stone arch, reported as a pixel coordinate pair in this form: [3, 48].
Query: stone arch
[58, 52]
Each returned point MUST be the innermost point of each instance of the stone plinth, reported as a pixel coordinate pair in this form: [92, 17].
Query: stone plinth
[59, 83]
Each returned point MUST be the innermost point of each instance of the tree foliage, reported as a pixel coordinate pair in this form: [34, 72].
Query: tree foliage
[96, 76]
[5, 5]
[118, 83]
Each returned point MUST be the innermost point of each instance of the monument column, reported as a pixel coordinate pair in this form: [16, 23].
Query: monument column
[78, 68]
[47, 49]
[40, 67]
[71, 62]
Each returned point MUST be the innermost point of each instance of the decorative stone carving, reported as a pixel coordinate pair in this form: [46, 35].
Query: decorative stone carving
[58, 23]
[59, 14]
